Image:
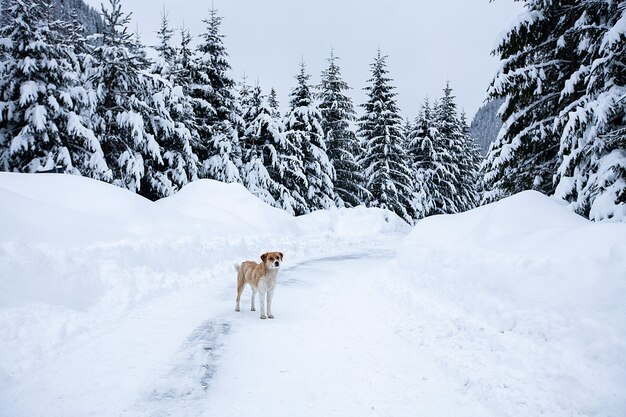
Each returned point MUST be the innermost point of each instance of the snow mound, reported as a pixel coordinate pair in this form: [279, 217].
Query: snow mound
[229, 207]
[74, 210]
[353, 222]
[517, 224]
[528, 290]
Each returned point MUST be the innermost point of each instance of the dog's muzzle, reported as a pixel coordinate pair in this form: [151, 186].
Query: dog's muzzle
[276, 264]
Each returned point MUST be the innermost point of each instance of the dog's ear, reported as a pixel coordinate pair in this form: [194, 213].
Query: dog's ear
[281, 255]
[264, 257]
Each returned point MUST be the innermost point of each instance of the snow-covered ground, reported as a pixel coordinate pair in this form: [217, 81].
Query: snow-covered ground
[111, 305]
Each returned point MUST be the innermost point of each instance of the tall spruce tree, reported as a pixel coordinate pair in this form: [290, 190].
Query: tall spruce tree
[272, 101]
[533, 73]
[262, 143]
[592, 172]
[165, 50]
[172, 122]
[343, 147]
[123, 113]
[563, 78]
[424, 153]
[305, 136]
[459, 162]
[42, 99]
[218, 118]
[388, 176]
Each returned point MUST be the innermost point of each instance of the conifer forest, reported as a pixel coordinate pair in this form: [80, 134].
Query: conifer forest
[83, 97]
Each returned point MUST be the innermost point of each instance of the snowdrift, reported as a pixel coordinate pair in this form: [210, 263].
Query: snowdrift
[229, 208]
[527, 284]
[66, 209]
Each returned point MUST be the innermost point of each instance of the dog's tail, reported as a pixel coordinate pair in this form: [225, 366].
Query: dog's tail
[237, 266]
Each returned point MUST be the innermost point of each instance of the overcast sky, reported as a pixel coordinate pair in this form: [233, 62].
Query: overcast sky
[428, 42]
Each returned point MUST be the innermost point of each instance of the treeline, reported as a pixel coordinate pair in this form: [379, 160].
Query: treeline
[97, 106]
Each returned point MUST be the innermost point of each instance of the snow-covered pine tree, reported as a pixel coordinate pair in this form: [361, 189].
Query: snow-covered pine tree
[293, 177]
[184, 60]
[304, 131]
[388, 177]
[563, 78]
[172, 122]
[424, 155]
[592, 174]
[539, 57]
[407, 128]
[279, 154]
[272, 101]
[218, 118]
[42, 100]
[343, 147]
[166, 52]
[457, 158]
[123, 115]
[262, 143]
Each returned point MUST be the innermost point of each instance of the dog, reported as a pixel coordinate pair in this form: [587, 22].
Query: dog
[262, 279]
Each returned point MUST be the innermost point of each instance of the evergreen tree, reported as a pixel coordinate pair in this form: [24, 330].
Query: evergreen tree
[184, 58]
[459, 168]
[123, 112]
[388, 177]
[424, 155]
[262, 143]
[341, 141]
[42, 100]
[217, 117]
[165, 50]
[172, 122]
[304, 133]
[272, 101]
[592, 173]
[534, 68]
[563, 80]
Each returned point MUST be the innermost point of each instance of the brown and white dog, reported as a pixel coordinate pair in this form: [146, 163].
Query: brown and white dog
[262, 279]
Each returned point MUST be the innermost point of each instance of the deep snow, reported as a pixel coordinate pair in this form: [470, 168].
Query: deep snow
[111, 305]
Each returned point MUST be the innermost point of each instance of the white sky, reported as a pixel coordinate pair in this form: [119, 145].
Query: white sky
[428, 42]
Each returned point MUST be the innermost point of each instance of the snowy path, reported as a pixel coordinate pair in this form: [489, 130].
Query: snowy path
[349, 339]
[330, 350]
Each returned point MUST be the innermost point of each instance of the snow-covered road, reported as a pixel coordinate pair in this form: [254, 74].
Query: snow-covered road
[331, 350]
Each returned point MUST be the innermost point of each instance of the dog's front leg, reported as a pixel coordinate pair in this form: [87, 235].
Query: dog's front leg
[252, 302]
[270, 295]
[262, 300]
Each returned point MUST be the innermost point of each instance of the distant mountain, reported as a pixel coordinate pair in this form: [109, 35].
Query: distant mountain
[486, 125]
[87, 15]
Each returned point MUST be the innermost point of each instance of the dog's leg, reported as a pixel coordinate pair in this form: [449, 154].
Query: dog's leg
[262, 300]
[253, 297]
[270, 295]
[240, 284]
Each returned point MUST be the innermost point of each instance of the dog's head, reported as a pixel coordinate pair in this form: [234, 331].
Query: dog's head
[272, 260]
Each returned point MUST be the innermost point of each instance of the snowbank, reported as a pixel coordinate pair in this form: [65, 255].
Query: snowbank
[229, 208]
[529, 286]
